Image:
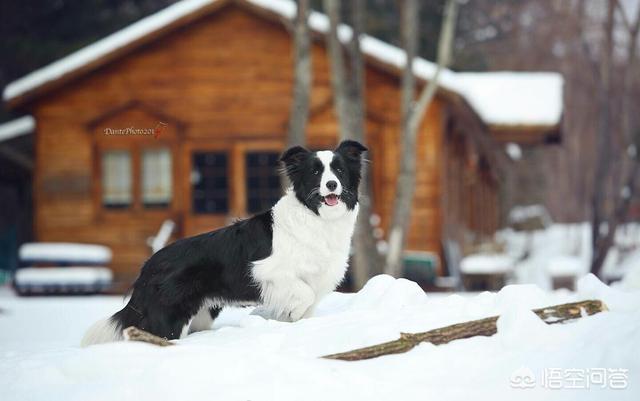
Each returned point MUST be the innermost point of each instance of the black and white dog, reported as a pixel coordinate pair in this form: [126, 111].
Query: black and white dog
[285, 259]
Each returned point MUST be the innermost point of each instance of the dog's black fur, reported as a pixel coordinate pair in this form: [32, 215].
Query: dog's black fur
[174, 282]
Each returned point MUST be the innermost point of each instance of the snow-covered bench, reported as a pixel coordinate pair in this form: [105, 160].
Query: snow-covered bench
[486, 271]
[64, 254]
[62, 280]
[564, 271]
[63, 268]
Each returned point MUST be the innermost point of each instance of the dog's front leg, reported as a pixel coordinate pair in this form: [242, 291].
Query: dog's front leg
[303, 299]
[287, 299]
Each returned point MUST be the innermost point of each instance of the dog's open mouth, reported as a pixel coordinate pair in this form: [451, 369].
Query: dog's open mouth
[331, 199]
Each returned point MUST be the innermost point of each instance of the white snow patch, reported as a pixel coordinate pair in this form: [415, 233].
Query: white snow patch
[15, 128]
[64, 252]
[160, 240]
[520, 214]
[514, 151]
[499, 98]
[567, 265]
[63, 275]
[486, 263]
[513, 98]
[631, 271]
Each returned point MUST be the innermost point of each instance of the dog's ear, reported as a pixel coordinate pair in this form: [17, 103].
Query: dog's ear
[351, 149]
[294, 156]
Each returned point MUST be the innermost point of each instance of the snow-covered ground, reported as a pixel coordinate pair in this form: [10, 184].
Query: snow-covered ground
[246, 357]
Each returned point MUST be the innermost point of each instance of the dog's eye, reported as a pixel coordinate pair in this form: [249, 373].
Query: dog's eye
[339, 170]
[316, 172]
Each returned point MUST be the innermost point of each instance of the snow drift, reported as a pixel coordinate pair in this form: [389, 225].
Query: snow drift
[247, 357]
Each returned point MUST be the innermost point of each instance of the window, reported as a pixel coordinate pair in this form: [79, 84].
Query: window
[116, 179]
[156, 178]
[210, 185]
[263, 181]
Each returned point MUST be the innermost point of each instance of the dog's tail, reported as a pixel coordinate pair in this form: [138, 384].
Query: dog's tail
[103, 331]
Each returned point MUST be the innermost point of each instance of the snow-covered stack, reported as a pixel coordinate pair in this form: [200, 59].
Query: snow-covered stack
[63, 268]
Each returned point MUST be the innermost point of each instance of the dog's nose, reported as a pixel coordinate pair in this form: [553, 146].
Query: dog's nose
[332, 185]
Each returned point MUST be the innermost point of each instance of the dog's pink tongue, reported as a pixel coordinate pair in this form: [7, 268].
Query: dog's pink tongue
[331, 200]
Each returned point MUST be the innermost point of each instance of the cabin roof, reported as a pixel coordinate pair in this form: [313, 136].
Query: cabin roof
[501, 99]
[20, 126]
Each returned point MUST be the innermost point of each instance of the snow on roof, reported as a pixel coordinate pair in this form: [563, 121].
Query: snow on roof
[499, 98]
[513, 98]
[102, 47]
[14, 128]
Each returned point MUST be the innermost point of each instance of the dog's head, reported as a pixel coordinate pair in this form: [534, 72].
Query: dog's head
[327, 181]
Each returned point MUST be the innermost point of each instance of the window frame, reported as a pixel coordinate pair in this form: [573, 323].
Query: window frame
[135, 149]
[102, 176]
[172, 162]
[247, 153]
[229, 177]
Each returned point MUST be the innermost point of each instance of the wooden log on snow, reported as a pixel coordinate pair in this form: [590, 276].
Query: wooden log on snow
[133, 333]
[483, 327]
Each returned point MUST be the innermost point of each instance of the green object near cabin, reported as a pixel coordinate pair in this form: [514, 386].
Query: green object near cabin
[421, 267]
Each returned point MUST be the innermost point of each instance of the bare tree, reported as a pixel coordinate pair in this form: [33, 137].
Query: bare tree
[299, 114]
[350, 107]
[412, 115]
[623, 189]
[336, 60]
[367, 259]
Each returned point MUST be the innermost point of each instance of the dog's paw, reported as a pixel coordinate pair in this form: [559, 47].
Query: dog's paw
[300, 310]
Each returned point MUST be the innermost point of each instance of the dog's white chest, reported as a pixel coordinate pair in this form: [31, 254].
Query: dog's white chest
[309, 258]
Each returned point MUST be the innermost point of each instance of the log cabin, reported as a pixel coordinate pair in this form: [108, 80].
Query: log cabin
[183, 114]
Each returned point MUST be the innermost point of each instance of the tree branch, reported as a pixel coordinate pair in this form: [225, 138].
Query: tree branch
[133, 333]
[483, 327]
[445, 48]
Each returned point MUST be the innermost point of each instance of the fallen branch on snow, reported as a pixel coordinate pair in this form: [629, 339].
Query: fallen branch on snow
[483, 327]
[133, 333]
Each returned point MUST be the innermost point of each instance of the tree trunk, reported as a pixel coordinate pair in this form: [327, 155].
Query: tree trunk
[367, 262]
[602, 242]
[302, 77]
[483, 327]
[336, 60]
[350, 108]
[412, 115]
